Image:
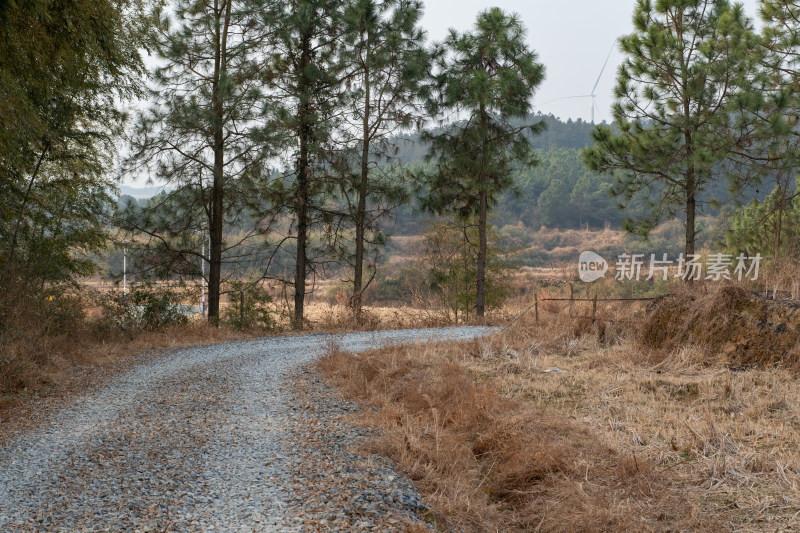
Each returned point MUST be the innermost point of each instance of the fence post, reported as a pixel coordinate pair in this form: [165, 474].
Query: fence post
[594, 307]
[571, 295]
[536, 305]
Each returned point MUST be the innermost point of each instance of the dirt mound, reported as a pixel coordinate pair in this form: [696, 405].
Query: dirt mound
[737, 328]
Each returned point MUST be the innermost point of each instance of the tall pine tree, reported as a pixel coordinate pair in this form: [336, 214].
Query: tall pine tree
[386, 64]
[688, 62]
[205, 132]
[488, 76]
[307, 80]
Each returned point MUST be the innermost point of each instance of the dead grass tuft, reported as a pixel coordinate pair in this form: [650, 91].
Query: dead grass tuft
[731, 325]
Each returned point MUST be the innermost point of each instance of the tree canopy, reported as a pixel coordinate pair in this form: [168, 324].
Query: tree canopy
[687, 63]
[489, 75]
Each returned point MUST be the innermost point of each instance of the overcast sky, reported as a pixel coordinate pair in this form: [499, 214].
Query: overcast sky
[572, 38]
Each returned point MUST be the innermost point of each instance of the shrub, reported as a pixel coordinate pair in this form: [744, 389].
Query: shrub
[395, 288]
[146, 307]
[449, 268]
[33, 319]
[257, 311]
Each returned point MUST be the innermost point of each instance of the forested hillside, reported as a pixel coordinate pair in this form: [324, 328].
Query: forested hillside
[561, 191]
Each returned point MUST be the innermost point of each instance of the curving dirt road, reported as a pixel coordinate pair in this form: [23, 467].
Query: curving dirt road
[211, 438]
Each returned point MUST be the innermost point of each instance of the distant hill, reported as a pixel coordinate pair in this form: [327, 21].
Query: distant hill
[559, 134]
[142, 192]
[560, 192]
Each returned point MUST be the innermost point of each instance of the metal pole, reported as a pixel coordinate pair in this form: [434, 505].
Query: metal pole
[124, 274]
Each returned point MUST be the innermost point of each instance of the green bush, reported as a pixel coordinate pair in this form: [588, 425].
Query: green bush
[257, 311]
[145, 307]
[448, 260]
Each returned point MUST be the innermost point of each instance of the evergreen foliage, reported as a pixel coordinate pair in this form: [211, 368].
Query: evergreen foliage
[204, 133]
[688, 62]
[490, 76]
[387, 67]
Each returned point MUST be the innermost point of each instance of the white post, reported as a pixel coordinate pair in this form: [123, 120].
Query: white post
[124, 273]
[203, 275]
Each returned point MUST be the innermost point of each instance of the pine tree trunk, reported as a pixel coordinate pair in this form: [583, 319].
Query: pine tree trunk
[358, 275]
[361, 210]
[480, 282]
[216, 215]
[302, 193]
[302, 236]
[691, 194]
[215, 236]
[480, 302]
[690, 216]
[690, 181]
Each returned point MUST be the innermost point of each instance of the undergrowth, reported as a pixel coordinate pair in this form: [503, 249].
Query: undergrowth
[569, 424]
[487, 462]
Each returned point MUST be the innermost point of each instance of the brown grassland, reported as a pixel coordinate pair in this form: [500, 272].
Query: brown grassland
[678, 415]
[566, 425]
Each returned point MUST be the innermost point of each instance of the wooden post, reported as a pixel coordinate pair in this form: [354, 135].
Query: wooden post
[571, 295]
[536, 305]
[594, 307]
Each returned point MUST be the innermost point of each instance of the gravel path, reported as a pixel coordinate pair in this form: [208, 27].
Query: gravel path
[228, 437]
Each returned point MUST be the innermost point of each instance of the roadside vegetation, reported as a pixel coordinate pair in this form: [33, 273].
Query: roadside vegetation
[569, 424]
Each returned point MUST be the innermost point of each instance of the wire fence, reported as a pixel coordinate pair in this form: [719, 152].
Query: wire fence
[571, 300]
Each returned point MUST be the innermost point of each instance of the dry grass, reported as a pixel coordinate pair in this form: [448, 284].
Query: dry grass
[33, 365]
[729, 325]
[337, 318]
[568, 425]
[489, 462]
[729, 437]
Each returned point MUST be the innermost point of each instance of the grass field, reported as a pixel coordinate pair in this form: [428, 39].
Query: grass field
[566, 425]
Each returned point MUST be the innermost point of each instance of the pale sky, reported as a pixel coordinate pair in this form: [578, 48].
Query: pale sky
[572, 38]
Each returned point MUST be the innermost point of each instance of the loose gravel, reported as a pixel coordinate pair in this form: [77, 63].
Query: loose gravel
[240, 436]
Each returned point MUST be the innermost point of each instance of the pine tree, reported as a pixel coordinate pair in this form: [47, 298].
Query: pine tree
[771, 227]
[205, 132]
[307, 79]
[676, 123]
[489, 76]
[386, 64]
[771, 112]
[772, 106]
